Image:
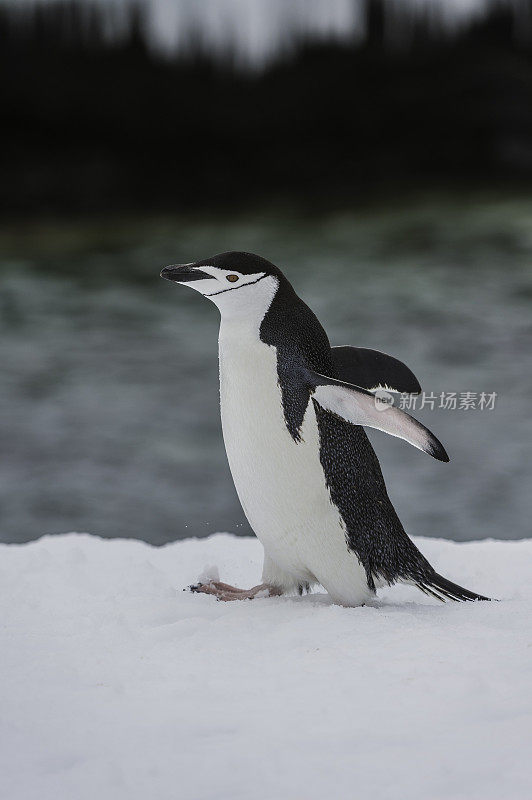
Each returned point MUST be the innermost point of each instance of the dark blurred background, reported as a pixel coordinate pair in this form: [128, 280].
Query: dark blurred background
[379, 151]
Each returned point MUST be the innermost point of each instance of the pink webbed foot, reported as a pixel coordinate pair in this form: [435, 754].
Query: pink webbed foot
[225, 592]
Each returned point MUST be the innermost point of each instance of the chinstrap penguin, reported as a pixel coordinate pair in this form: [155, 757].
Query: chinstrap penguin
[292, 411]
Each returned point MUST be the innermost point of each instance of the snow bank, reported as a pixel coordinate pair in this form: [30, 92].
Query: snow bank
[116, 684]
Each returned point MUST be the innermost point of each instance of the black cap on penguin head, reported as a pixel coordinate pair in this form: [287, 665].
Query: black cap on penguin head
[245, 263]
[233, 266]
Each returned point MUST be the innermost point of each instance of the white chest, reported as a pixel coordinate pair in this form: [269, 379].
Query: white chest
[280, 482]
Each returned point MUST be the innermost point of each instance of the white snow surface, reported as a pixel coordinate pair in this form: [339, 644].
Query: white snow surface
[115, 684]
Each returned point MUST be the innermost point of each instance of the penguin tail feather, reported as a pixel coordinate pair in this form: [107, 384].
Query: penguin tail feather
[439, 587]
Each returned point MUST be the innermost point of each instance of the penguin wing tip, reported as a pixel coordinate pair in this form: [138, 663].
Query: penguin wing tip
[438, 451]
[443, 456]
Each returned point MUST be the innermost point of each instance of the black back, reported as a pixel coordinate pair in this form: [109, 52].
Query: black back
[291, 327]
[246, 263]
[351, 468]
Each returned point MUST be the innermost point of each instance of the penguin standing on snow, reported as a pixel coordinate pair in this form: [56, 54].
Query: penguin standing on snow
[293, 410]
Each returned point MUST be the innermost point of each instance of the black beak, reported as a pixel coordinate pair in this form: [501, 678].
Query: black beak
[183, 274]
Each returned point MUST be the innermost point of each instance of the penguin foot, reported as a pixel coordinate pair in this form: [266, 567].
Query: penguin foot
[225, 592]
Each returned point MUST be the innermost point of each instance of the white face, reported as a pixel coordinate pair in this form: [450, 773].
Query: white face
[234, 293]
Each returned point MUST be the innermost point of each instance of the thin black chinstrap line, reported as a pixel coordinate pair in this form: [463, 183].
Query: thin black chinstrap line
[232, 288]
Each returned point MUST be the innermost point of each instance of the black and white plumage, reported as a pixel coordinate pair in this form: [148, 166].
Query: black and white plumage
[293, 411]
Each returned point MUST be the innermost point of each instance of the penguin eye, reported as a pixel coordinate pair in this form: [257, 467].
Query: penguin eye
[232, 278]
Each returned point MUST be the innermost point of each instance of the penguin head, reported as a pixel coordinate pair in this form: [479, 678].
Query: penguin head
[238, 283]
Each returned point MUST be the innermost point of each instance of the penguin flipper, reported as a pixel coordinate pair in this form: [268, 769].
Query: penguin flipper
[372, 369]
[360, 407]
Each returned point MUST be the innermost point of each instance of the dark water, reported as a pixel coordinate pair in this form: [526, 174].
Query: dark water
[110, 421]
